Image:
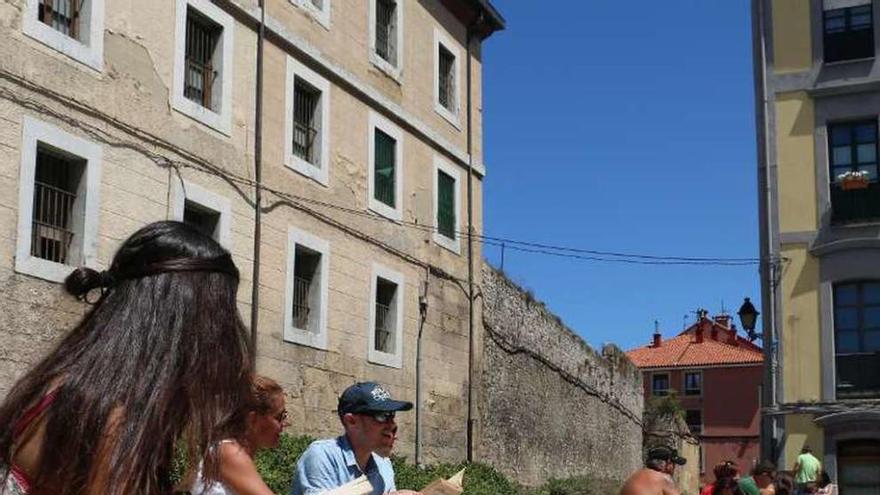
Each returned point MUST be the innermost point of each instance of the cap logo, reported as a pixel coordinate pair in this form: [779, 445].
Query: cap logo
[380, 394]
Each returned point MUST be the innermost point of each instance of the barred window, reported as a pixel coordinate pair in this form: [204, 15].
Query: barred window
[62, 15]
[386, 319]
[202, 36]
[56, 182]
[386, 30]
[305, 121]
[384, 169]
[306, 293]
[446, 82]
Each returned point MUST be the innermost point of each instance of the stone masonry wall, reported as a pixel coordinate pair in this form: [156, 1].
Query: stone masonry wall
[552, 406]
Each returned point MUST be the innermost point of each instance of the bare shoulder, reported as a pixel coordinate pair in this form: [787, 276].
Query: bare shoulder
[233, 454]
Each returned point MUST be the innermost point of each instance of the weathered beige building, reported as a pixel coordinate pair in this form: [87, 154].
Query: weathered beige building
[334, 146]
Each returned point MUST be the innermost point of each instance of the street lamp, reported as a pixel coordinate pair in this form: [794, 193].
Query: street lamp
[748, 316]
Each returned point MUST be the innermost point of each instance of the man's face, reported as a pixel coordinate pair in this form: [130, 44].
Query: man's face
[374, 431]
[670, 468]
[764, 479]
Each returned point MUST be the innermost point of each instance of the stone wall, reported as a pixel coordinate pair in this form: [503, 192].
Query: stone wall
[551, 406]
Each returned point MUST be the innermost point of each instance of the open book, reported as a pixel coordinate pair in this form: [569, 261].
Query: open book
[360, 486]
[452, 486]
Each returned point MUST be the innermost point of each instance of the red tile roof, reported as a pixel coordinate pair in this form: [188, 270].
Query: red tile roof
[684, 351]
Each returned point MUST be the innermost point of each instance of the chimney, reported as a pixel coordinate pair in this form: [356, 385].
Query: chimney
[723, 320]
[658, 339]
[699, 334]
[733, 340]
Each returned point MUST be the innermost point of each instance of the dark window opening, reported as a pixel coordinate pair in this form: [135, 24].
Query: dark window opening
[660, 384]
[858, 466]
[693, 383]
[857, 339]
[202, 39]
[384, 165]
[386, 30]
[849, 33]
[446, 79]
[445, 205]
[56, 181]
[306, 270]
[63, 16]
[305, 122]
[853, 150]
[694, 420]
[385, 315]
[204, 219]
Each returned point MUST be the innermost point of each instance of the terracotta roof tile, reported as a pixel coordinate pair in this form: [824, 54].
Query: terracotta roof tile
[684, 350]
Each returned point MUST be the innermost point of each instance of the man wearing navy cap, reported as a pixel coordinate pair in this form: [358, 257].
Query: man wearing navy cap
[366, 411]
[656, 477]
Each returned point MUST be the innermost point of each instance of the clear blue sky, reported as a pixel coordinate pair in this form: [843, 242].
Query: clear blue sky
[623, 127]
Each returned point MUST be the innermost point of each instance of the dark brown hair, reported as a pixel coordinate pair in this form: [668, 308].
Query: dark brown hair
[163, 352]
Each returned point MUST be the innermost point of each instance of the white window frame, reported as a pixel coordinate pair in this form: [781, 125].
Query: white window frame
[321, 172]
[303, 336]
[444, 40]
[321, 15]
[395, 359]
[185, 190]
[382, 124]
[220, 121]
[684, 389]
[90, 51]
[394, 71]
[668, 381]
[33, 133]
[441, 165]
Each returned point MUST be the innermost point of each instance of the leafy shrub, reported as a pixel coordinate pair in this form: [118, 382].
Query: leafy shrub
[276, 465]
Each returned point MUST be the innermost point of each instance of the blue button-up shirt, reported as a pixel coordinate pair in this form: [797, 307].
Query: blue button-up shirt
[330, 463]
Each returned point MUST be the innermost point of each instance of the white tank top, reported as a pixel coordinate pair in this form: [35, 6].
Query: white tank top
[217, 488]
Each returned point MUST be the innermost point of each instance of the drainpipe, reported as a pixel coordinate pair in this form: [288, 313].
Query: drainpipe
[470, 241]
[258, 178]
[423, 315]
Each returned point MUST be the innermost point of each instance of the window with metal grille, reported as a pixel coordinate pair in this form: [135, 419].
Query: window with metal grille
[693, 383]
[446, 76]
[694, 420]
[445, 204]
[62, 15]
[305, 105]
[56, 181]
[204, 219]
[306, 266]
[857, 339]
[202, 36]
[386, 30]
[660, 384]
[853, 147]
[849, 33]
[384, 173]
[386, 319]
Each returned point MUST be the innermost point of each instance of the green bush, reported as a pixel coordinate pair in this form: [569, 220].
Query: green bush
[276, 466]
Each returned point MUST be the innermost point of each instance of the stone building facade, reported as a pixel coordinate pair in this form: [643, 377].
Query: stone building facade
[361, 122]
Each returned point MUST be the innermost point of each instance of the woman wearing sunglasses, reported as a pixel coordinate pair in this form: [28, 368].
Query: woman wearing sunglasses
[258, 427]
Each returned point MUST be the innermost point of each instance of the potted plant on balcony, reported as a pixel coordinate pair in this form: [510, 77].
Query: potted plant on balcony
[853, 179]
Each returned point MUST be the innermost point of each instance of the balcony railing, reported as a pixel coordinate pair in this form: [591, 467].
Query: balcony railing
[383, 327]
[855, 205]
[50, 236]
[301, 302]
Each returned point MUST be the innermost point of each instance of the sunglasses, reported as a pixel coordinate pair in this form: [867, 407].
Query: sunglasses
[381, 417]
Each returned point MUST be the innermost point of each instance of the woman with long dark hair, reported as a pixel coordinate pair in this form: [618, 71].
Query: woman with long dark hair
[162, 357]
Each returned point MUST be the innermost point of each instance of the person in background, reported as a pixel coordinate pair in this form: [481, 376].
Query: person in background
[725, 469]
[161, 356]
[825, 486]
[656, 477]
[784, 485]
[761, 480]
[806, 470]
[726, 486]
[367, 412]
[259, 426]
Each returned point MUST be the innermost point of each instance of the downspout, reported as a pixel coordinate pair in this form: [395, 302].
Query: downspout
[258, 178]
[470, 240]
[768, 256]
[423, 315]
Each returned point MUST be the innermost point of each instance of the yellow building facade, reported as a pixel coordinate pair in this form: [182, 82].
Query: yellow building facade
[817, 86]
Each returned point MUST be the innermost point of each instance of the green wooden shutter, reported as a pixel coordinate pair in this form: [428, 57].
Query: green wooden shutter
[445, 205]
[383, 178]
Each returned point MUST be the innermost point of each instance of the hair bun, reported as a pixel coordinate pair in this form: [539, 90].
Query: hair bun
[82, 280]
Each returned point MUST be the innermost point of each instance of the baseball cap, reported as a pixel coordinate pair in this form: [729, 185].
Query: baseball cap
[367, 397]
[664, 453]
